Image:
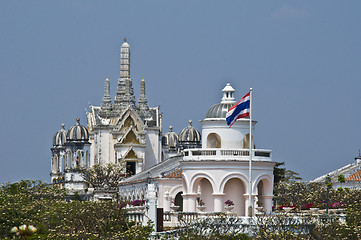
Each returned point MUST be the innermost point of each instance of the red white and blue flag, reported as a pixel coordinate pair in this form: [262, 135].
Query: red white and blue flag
[239, 110]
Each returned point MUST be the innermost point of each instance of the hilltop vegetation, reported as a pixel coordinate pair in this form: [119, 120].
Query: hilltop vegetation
[38, 204]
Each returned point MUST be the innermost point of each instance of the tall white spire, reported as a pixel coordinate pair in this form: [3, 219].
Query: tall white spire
[125, 60]
[125, 94]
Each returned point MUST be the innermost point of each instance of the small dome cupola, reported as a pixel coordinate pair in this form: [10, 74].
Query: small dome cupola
[189, 137]
[228, 94]
[170, 139]
[77, 133]
[59, 138]
[220, 110]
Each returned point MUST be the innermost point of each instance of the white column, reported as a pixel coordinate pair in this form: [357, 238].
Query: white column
[218, 201]
[267, 203]
[151, 200]
[166, 202]
[191, 199]
[247, 203]
[185, 202]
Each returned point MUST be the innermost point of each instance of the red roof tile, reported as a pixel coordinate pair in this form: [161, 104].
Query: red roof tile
[175, 174]
[354, 177]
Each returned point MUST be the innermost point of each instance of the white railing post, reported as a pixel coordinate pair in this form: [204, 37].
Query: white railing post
[151, 207]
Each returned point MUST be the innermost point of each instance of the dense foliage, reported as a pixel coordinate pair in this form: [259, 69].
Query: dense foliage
[222, 228]
[104, 177]
[40, 205]
[304, 195]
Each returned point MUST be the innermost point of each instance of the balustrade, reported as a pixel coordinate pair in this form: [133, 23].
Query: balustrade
[261, 154]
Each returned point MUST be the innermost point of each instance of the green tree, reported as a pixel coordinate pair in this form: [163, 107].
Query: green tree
[107, 176]
[41, 205]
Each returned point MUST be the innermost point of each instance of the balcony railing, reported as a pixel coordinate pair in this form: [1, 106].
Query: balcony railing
[238, 154]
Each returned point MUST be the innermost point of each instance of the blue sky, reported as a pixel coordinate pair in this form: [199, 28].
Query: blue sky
[302, 58]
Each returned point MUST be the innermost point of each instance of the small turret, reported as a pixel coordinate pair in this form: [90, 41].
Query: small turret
[107, 101]
[189, 137]
[142, 101]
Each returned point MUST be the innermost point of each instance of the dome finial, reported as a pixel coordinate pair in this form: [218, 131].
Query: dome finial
[63, 126]
[170, 128]
[125, 39]
[190, 122]
[77, 120]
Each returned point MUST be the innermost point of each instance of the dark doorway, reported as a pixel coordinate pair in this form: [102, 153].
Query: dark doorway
[130, 168]
[159, 219]
[179, 201]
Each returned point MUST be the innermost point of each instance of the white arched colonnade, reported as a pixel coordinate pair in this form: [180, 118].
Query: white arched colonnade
[218, 181]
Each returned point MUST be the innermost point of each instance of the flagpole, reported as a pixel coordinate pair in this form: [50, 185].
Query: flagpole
[250, 208]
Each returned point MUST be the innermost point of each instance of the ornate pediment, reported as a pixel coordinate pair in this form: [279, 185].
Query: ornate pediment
[130, 154]
[129, 119]
[131, 137]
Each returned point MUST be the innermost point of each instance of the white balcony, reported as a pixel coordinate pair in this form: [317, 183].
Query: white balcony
[199, 154]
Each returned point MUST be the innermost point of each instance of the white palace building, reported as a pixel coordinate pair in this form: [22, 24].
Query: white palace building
[211, 165]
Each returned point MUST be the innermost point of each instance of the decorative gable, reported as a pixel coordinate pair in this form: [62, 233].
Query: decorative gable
[130, 119]
[131, 155]
[130, 138]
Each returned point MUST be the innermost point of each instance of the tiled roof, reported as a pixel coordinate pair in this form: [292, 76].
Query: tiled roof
[174, 174]
[348, 171]
[354, 177]
[158, 171]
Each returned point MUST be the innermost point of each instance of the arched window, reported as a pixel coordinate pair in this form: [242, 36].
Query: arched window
[260, 190]
[68, 160]
[179, 201]
[214, 141]
[78, 159]
[246, 142]
[87, 164]
[55, 163]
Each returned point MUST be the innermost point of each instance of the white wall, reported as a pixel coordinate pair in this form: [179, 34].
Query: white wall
[231, 138]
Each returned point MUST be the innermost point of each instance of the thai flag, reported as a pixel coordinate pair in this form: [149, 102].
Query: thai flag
[239, 110]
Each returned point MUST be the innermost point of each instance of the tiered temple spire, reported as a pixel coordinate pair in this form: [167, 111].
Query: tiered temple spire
[142, 100]
[125, 93]
[107, 101]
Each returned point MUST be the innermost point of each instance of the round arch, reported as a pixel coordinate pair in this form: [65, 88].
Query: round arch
[175, 190]
[267, 184]
[214, 141]
[56, 163]
[195, 180]
[185, 183]
[239, 176]
[246, 141]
